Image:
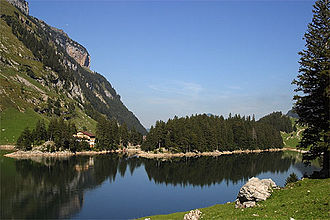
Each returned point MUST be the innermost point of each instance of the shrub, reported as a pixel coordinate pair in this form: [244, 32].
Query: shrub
[291, 179]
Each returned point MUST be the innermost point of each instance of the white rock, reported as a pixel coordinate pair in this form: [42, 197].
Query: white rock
[193, 215]
[253, 191]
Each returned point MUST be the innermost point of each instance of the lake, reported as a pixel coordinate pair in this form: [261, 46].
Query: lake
[119, 187]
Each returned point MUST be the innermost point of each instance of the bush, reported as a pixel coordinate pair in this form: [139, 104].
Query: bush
[291, 179]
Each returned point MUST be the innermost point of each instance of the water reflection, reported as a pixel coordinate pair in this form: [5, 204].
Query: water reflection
[207, 170]
[54, 188]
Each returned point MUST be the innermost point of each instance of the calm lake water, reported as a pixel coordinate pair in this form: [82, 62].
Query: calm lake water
[118, 187]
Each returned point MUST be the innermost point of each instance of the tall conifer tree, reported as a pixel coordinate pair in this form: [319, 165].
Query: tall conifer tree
[312, 100]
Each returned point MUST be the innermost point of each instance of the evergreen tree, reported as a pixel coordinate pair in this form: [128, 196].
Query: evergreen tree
[123, 135]
[312, 101]
[25, 140]
[40, 132]
[52, 129]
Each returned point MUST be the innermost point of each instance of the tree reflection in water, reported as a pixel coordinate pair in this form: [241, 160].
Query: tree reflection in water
[54, 188]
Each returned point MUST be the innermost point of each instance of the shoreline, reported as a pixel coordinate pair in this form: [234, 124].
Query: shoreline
[132, 152]
[7, 147]
[59, 154]
[212, 153]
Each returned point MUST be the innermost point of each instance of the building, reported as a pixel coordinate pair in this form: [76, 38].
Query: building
[84, 135]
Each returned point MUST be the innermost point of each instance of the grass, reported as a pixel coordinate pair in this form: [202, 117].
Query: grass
[291, 140]
[84, 120]
[305, 199]
[13, 122]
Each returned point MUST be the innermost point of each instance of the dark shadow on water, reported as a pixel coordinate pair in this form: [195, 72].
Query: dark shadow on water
[208, 170]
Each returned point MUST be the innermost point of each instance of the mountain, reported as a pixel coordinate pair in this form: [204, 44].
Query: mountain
[44, 73]
[292, 113]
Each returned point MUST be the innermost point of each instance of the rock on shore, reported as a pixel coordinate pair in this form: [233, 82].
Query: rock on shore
[193, 215]
[253, 191]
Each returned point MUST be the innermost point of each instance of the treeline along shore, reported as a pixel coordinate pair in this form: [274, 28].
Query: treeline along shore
[198, 135]
[207, 133]
[60, 135]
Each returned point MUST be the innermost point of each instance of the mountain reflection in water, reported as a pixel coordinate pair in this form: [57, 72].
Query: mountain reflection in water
[54, 188]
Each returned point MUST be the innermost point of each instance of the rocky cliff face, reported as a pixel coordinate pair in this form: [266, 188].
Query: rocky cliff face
[21, 4]
[74, 49]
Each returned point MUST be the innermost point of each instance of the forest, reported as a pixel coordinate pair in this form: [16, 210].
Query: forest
[195, 133]
[59, 131]
[110, 136]
[209, 133]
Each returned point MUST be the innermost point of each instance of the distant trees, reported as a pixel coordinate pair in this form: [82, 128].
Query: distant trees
[107, 135]
[32, 137]
[110, 135]
[313, 87]
[39, 134]
[209, 133]
[24, 141]
[59, 131]
[278, 121]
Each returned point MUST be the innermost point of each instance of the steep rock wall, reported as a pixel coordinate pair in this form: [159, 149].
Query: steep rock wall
[21, 4]
[74, 49]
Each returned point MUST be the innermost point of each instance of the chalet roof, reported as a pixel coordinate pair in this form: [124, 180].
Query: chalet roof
[87, 133]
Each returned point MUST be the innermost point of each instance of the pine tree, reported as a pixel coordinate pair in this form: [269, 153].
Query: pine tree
[40, 132]
[312, 101]
[25, 140]
[123, 135]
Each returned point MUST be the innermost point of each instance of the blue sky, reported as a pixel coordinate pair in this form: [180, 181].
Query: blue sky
[168, 58]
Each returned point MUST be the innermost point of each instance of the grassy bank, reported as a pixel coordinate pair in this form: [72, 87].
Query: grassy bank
[306, 199]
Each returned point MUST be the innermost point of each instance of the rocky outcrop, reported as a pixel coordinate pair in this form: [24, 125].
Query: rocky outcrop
[193, 215]
[71, 47]
[74, 49]
[79, 53]
[20, 4]
[253, 191]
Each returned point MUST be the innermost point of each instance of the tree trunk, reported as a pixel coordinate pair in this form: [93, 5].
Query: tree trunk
[326, 164]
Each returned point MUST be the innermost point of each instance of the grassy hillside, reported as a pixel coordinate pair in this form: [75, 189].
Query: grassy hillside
[22, 90]
[13, 122]
[292, 139]
[39, 80]
[306, 199]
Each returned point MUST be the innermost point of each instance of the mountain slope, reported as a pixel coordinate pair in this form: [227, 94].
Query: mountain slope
[292, 139]
[43, 70]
